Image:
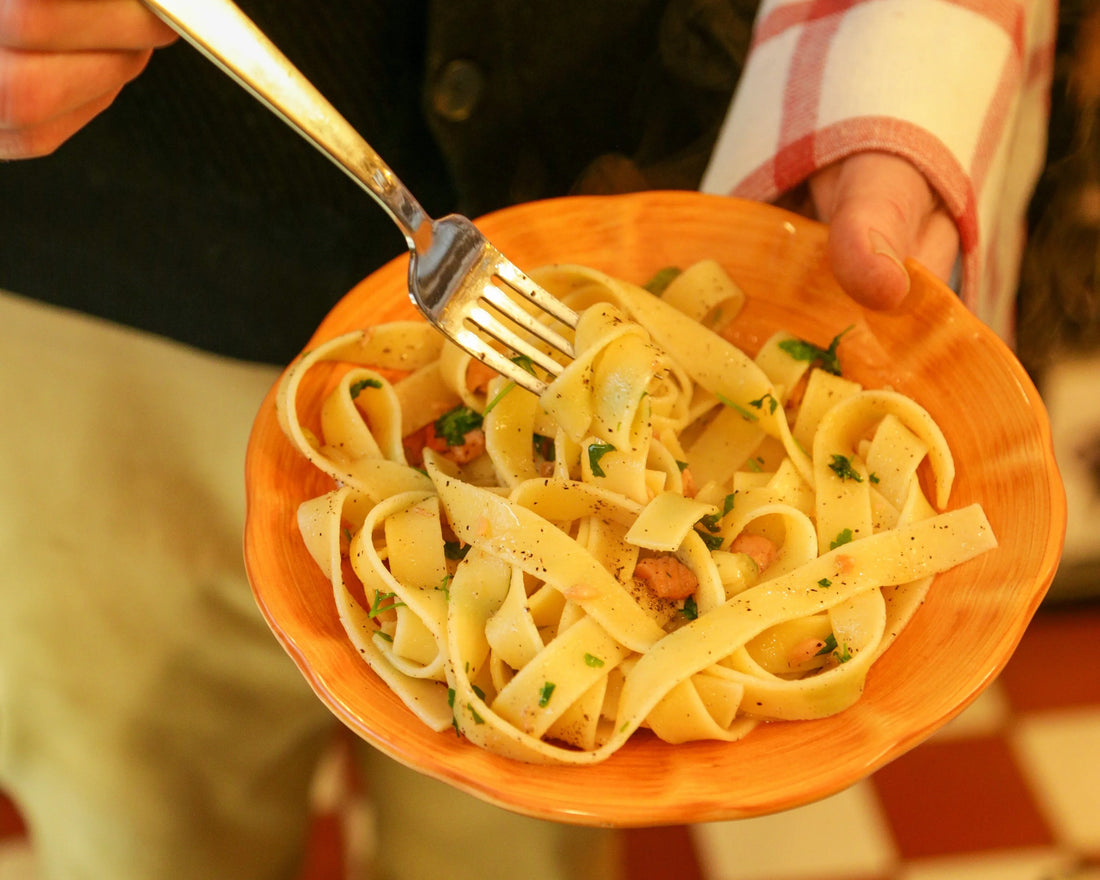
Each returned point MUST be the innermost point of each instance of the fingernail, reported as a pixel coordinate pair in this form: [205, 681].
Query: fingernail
[880, 246]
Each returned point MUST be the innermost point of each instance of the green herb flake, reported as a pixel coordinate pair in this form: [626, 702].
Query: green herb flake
[711, 542]
[690, 609]
[445, 587]
[661, 279]
[593, 661]
[544, 446]
[454, 425]
[455, 550]
[874, 478]
[596, 451]
[379, 606]
[520, 360]
[356, 388]
[841, 465]
[842, 538]
[824, 582]
[839, 652]
[767, 400]
[545, 693]
[473, 714]
[801, 350]
[747, 415]
[712, 521]
[508, 386]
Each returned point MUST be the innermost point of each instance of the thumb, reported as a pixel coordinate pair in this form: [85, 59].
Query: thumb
[880, 211]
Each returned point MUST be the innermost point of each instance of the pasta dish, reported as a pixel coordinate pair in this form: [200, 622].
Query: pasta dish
[675, 537]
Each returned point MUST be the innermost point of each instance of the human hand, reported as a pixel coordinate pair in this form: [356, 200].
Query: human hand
[881, 210]
[62, 62]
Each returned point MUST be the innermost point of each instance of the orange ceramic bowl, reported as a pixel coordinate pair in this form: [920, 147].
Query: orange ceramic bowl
[931, 349]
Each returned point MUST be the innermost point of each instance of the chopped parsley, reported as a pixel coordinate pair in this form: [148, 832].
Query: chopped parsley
[661, 280]
[801, 350]
[455, 549]
[747, 415]
[593, 661]
[711, 522]
[841, 652]
[690, 609]
[454, 425]
[841, 465]
[545, 693]
[873, 477]
[842, 538]
[767, 400]
[521, 360]
[379, 606]
[445, 587]
[356, 388]
[712, 542]
[596, 451]
[454, 717]
[824, 582]
[544, 447]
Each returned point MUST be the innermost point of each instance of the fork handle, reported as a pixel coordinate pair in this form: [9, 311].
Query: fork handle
[222, 32]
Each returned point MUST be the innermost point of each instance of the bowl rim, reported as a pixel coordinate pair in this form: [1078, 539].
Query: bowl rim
[665, 796]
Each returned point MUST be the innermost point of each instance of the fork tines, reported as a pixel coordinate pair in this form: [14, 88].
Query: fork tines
[524, 334]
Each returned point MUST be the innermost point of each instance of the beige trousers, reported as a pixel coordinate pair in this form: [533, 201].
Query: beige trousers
[151, 727]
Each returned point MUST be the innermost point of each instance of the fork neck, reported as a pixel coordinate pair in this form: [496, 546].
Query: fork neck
[394, 197]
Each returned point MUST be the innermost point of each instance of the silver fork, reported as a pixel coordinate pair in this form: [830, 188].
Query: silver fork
[457, 278]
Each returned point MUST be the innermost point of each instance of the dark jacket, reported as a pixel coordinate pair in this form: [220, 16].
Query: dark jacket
[189, 210]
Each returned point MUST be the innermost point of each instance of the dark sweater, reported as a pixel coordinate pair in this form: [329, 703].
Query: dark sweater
[187, 209]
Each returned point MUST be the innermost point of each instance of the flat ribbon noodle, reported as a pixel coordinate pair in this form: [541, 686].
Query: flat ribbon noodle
[794, 556]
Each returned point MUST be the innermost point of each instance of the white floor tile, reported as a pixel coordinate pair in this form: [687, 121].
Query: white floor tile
[1069, 392]
[1060, 751]
[17, 862]
[842, 836]
[1042, 864]
[986, 716]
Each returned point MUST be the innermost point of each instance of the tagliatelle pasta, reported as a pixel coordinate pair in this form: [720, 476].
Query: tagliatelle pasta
[674, 537]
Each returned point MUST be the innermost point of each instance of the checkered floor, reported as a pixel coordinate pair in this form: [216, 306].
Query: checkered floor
[1010, 790]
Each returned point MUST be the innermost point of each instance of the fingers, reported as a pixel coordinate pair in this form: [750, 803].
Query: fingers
[46, 98]
[80, 25]
[881, 211]
[62, 62]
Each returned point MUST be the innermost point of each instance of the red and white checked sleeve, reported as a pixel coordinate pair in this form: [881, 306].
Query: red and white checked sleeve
[960, 88]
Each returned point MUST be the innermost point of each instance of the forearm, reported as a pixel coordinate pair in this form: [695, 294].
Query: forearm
[958, 94]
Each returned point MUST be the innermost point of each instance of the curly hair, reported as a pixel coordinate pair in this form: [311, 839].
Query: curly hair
[1059, 297]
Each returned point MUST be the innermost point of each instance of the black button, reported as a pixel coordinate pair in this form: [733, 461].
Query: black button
[457, 90]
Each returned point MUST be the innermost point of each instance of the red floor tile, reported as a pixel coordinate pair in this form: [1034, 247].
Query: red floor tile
[1057, 664]
[11, 823]
[324, 858]
[660, 854]
[959, 796]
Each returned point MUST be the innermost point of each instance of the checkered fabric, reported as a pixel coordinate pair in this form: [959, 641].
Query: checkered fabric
[857, 75]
